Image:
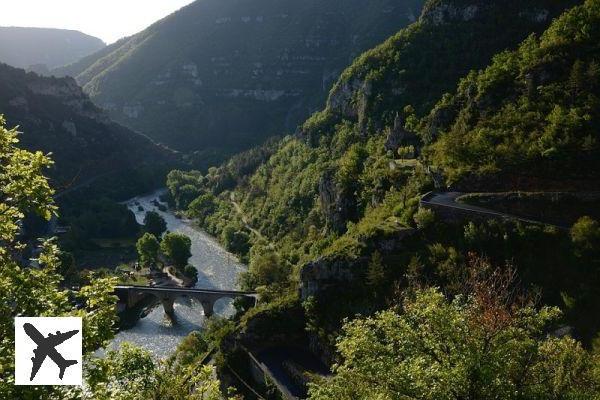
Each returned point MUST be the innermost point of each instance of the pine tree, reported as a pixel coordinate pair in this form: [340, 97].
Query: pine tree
[376, 270]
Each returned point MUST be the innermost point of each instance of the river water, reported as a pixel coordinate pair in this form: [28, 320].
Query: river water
[217, 269]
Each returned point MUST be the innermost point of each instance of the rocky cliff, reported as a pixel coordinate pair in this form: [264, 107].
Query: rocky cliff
[228, 73]
[56, 116]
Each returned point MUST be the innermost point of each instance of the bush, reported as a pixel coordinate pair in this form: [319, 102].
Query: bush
[147, 248]
[585, 234]
[424, 218]
[191, 272]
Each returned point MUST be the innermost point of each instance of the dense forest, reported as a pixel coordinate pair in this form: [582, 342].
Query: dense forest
[334, 212]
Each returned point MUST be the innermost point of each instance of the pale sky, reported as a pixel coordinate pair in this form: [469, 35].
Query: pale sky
[108, 20]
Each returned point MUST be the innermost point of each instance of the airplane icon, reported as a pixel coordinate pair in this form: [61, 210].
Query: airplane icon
[47, 348]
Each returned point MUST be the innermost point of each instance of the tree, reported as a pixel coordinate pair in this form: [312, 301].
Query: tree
[147, 248]
[235, 240]
[37, 291]
[585, 234]
[424, 218]
[177, 247]
[265, 269]
[191, 272]
[577, 79]
[132, 374]
[376, 271]
[440, 349]
[202, 206]
[154, 224]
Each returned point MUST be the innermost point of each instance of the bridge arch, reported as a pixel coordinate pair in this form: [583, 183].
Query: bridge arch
[168, 295]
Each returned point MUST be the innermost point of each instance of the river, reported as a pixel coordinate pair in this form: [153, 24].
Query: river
[217, 269]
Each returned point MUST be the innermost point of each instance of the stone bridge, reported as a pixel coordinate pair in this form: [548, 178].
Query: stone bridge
[131, 295]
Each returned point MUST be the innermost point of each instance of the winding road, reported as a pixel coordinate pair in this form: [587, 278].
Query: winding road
[448, 200]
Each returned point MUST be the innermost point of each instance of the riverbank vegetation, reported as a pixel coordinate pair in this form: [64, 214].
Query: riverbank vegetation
[37, 289]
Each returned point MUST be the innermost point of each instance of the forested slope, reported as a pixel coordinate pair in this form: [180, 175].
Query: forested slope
[339, 166]
[528, 121]
[337, 206]
[227, 74]
[58, 118]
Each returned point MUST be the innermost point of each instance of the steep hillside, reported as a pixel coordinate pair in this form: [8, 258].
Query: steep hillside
[335, 211]
[344, 161]
[42, 49]
[229, 73]
[417, 65]
[531, 120]
[59, 118]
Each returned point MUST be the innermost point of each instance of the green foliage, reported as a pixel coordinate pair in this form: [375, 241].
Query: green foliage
[154, 224]
[376, 270]
[585, 234]
[202, 206]
[416, 66]
[191, 272]
[38, 291]
[102, 218]
[301, 193]
[132, 374]
[336, 192]
[236, 241]
[424, 218]
[90, 151]
[531, 115]
[182, 186]
[265, 269]
[147, 248]
[177, 247]
[439, 349]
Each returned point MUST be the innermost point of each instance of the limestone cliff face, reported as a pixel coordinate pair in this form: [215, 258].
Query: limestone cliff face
[57, 117]
[68, 93]
[324, 273]
[327, 273]
[439, 13]
[228, 73]
[337, 205]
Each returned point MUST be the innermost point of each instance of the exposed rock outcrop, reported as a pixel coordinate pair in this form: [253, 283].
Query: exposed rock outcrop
[399, 136]
[188, 81]
[445, 13]
[337, 205]
[327, 272]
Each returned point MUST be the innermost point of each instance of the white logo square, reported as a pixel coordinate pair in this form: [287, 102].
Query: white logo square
[48, 351]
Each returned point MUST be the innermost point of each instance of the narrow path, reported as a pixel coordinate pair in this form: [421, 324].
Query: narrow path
[239, 210]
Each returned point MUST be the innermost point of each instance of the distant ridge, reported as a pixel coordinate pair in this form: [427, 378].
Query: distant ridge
[42, 49]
